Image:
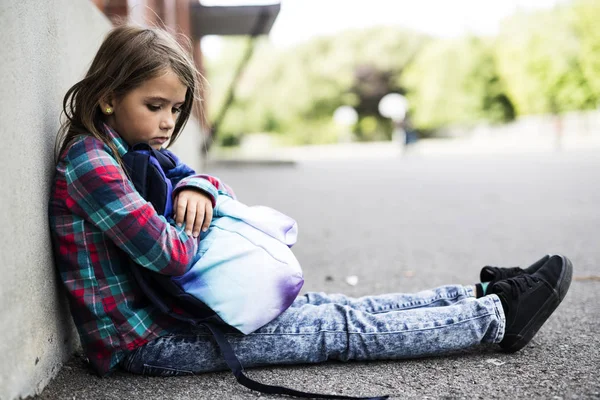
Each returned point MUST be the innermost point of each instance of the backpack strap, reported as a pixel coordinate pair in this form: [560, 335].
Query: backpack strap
[146, 169]
[137, 170]
[238, 371]
[157, 298]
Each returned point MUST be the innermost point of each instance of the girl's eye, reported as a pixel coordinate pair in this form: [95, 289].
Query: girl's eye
[153, 108]
[176, 110]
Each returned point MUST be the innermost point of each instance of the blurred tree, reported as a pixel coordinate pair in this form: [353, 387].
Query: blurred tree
[540, 59]
[296, 91]
[584, 19]
[456, 82]
[540, 62]
[369, 87]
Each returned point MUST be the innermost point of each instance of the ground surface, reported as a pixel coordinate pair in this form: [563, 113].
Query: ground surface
[410, 224]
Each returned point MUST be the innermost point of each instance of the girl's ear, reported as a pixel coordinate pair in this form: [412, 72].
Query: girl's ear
[107, 105]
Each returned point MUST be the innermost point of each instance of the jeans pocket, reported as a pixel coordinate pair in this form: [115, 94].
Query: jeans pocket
[153, 370]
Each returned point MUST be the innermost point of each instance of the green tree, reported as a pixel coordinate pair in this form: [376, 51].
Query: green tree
[540, 62]
[540, 59]
[456, 82]
[294, 92]
[584, 19]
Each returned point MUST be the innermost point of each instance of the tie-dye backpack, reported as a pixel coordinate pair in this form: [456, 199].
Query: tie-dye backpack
[244, 272]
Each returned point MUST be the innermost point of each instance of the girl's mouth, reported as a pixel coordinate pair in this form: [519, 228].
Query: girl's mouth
[160, 140]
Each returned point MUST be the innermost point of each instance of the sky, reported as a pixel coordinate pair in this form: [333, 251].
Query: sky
[300, 20]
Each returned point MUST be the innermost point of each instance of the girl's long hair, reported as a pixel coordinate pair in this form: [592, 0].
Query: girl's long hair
[129, 56]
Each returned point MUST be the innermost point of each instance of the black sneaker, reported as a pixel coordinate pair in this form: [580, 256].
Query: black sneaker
[528, 300]
[493, 274]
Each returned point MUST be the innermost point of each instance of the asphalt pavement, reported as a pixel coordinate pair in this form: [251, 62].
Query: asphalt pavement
[402, 224]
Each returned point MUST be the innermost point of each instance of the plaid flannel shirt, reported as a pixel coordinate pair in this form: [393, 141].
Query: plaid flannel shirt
[98, 220]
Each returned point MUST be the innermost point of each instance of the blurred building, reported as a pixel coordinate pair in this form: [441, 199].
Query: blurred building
[192, 19]
[174, 15]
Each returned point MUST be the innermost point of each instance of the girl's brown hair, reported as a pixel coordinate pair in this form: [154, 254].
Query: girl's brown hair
[129, 56]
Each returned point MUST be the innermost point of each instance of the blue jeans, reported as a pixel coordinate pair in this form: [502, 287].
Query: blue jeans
[320, 327]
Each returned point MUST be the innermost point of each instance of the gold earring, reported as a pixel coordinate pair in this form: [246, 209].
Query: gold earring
[108, 110]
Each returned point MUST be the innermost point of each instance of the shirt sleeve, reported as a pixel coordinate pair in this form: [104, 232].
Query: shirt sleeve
[99, 189]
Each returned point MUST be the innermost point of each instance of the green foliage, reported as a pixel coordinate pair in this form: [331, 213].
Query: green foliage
[584, 19]
[372, 128]
[294, 92]
[542, 62]
[540, 57]
[456, 82]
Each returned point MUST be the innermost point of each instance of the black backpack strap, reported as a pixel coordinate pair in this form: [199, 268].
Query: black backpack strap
[137, 171]
[156, 297]
[145, 168]
[165, 160]
[150, 292]
[238, 371]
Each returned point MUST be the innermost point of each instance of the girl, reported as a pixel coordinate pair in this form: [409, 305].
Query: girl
[140, 88]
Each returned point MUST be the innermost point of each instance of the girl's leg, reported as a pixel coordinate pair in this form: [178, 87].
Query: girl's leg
[441, 296]
[314, 333]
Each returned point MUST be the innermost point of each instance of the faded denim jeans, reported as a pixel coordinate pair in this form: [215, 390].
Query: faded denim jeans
[320, 327]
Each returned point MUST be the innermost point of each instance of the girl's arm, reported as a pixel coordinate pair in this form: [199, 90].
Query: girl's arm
[100, 192]
[182, 176]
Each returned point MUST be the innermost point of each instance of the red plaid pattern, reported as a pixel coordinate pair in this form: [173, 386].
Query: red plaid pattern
[98, 222]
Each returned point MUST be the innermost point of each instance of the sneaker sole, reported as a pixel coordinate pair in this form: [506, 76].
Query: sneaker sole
[565, 278]
[545, 311]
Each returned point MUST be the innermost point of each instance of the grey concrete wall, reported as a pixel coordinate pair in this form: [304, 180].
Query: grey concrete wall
[46, 47]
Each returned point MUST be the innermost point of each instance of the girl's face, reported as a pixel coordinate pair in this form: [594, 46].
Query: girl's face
[148, 113]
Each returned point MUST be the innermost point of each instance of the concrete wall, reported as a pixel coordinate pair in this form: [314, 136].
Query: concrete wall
[46, 47]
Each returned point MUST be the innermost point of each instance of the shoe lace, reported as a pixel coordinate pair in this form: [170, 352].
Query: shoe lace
[504, 273]
[522, 283]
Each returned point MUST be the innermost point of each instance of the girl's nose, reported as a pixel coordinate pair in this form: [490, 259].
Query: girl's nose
[167, 123]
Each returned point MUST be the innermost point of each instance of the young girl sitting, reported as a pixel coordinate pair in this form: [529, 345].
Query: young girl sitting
[141, 87]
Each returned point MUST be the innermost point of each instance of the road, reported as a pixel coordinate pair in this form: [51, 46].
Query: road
[414, 223]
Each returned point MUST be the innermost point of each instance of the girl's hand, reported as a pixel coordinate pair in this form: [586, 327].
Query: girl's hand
[195, 208]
